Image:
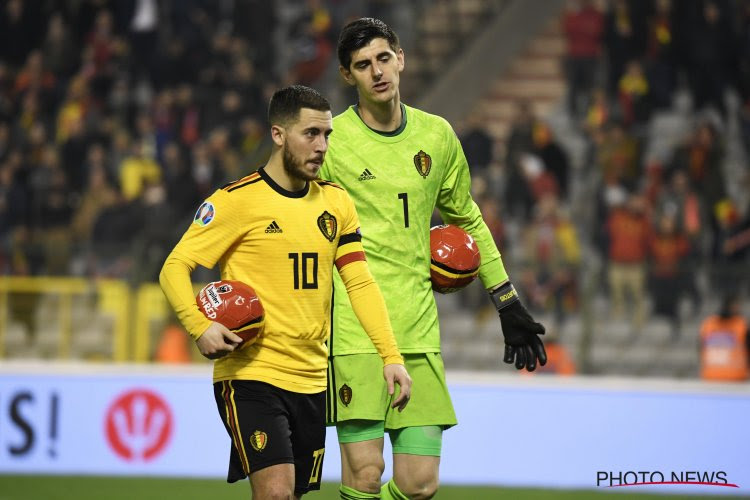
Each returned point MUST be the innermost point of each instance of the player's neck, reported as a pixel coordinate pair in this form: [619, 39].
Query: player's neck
[275, 170]
[383, 117]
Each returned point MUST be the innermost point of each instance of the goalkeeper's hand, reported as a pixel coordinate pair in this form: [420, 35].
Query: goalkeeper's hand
[523, 347]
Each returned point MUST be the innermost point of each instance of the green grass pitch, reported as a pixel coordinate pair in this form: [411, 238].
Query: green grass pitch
[29, 487]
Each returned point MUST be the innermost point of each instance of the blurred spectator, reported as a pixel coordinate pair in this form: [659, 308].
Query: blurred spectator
[73, 155]
[4, 140]
[598, 114]
[254, 143]
[667, 248]
[553, 256]
[182, 193]
[539, 181]
[661, 60]
[51, 215]
[143, 21]
[680, 201]
[583, 25]
[173, 346]
[189, 116]
[138, 170]
[13, 220]
[34, 77]
[712, 58]
[725, 343]
[624, 38]
[6, 93]
[701, 158]
[518, 200]
[19, 30]
[634, 95]
[311, 39]
[97, 197]
[103, 52]
[553, 156]
[59, 50]
[258, 19]
[618, 156]
[157, 234]
[629, 233]
[730, 249]
[478, 145]
[206, 173]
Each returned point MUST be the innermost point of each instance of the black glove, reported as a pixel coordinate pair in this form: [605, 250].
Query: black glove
[522, 344]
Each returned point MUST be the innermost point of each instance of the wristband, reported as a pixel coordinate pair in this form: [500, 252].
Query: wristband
[504, 296]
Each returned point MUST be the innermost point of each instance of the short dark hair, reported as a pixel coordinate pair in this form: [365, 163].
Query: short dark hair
[359, 33]
[286, 103]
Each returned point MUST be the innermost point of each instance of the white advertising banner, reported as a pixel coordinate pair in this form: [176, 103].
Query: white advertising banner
[514, 431]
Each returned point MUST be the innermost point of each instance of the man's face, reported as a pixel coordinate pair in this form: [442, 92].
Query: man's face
[305, 143]
[375, 71]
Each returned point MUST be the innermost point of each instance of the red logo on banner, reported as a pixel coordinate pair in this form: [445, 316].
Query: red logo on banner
[138, 425]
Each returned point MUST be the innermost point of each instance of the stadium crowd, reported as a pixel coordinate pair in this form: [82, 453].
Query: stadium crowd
[118, 117]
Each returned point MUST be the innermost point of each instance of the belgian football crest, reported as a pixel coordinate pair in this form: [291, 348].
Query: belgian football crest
[258, 440]
[423, 163]
[327, 225]
[345, 393]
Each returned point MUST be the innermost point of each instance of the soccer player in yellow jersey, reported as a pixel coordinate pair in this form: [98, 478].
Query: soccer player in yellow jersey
[281, 230]
[398, 164]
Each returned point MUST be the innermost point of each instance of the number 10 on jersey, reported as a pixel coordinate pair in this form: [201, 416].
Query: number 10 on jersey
[305, 270]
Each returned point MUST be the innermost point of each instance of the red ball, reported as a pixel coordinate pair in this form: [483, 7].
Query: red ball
[454, 260]
[235, 305]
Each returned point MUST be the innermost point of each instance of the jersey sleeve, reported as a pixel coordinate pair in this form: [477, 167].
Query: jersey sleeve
[215, 228]
[350, 247]
[457, 207]
[369, 307]
[175, 282]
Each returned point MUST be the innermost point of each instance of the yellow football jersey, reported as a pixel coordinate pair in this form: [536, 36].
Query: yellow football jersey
[284, 244]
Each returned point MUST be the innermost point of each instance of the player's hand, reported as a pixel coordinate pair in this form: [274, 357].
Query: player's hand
[523, 347]
[397, 374]
[217, 341]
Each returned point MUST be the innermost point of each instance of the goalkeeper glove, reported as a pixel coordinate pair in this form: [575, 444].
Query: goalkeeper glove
[523, 347]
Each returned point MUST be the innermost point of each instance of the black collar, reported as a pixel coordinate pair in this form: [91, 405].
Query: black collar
[283, 192]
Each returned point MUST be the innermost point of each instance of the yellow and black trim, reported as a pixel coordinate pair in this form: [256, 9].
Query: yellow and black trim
[245, 181]
[323, 182]
[233, 424]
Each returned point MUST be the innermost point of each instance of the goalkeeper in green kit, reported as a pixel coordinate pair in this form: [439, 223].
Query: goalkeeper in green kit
[399, 163]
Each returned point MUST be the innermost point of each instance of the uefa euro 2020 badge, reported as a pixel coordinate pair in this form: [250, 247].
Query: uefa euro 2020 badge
[205, 214]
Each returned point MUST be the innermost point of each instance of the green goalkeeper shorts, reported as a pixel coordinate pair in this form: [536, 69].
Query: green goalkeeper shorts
[357, 391]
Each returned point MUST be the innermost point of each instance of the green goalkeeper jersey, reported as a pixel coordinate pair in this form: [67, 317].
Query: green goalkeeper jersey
[396, 181]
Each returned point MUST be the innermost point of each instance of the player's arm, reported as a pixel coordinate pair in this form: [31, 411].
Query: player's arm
[213, 339]
[523, 347]
[214, 229]
[369, 307]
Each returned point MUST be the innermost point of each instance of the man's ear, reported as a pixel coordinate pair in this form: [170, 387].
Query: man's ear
[347, 75]
[278, 134]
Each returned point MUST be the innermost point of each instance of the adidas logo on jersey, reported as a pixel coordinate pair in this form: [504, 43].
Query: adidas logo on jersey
[366, 175]
[273, 228]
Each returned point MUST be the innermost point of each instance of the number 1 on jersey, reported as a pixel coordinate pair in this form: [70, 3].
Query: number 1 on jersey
[405, 198]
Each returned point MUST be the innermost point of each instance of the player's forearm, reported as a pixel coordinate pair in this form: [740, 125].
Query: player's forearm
[492, 271]
[369, 307]
[175, 282]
